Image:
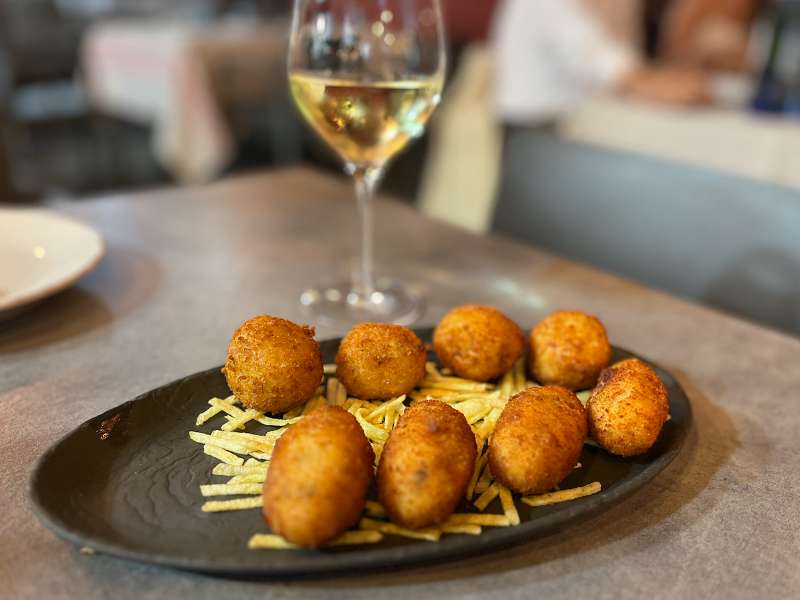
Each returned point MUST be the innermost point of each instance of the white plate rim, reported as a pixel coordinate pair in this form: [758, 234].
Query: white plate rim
[15, 301]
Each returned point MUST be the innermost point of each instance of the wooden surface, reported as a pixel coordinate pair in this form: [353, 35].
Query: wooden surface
[185, 267]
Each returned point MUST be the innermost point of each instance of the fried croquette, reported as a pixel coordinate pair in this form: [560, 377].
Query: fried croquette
[318, 478]
[629, 363]
[377, 361]
[426, 465]
[628, 408]
[569, 348]
[273, 364]
[478, 342]
[538, 439]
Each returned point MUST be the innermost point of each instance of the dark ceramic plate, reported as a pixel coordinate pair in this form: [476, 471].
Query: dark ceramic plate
[126, 483]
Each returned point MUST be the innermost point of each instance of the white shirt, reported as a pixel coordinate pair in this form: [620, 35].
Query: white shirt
[549, 55]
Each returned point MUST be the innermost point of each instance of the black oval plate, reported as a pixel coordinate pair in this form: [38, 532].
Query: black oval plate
[126, 482]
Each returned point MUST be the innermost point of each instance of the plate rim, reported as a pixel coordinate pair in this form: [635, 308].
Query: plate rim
[15, 301]
[370, 559]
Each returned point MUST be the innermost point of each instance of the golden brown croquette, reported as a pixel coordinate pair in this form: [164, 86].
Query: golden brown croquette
[628, 408]
[377, 361]
[538, 439]
[478, 342]
[426, 465]
[318, 478]
[569, 348]
[273, 364]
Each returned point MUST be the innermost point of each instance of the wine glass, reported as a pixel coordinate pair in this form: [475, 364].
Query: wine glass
[366, 76]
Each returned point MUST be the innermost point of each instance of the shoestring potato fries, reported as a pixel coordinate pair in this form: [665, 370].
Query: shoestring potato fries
[243, 455]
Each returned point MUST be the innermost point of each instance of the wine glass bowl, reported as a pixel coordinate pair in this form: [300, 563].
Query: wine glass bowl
[366, 75]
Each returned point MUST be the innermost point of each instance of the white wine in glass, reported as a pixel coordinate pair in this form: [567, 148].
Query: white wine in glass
[366, 75]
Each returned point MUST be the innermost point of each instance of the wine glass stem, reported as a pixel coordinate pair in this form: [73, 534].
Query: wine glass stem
[365, 181]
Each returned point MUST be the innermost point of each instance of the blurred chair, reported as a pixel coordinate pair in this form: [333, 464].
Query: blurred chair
[53, 142]
[32, 51]
[729, 242]
[460, 177]
[8, 192]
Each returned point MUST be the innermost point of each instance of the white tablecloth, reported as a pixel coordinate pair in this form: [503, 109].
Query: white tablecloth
[175, 76]
[462, 175]
[729, 140]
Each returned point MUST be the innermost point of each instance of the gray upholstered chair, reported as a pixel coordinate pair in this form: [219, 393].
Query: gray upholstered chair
[725, 241]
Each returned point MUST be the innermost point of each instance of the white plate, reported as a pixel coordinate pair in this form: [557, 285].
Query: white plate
[42, 253]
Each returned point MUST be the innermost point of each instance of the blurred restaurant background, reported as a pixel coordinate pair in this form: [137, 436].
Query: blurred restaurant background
[656, 139]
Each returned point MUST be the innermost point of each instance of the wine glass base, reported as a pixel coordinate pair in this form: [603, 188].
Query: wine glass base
[339, 304]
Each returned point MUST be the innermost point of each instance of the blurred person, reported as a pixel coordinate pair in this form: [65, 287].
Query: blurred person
[550, 55]
[708, 33]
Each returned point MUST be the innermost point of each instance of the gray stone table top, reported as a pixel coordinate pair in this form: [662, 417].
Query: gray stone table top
[185, 266]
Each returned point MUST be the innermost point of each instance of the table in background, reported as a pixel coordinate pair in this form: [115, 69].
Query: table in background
[464, 167]
[735, 141]
[185, 267]
[177, 77]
